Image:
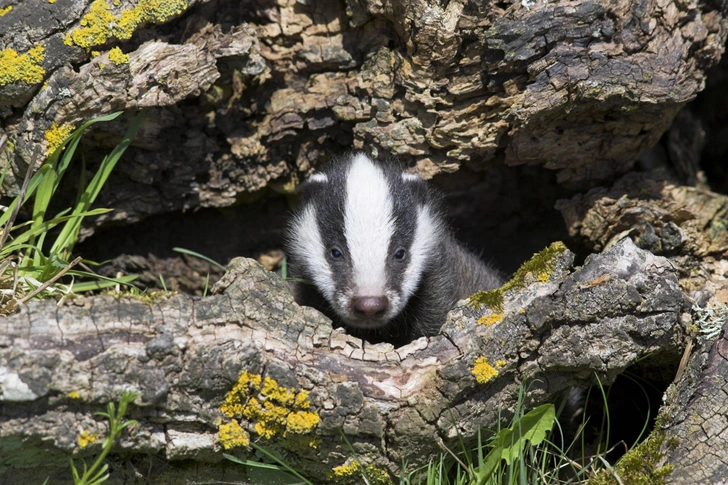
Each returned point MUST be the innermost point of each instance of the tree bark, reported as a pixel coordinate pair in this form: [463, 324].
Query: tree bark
[60, 364]
[244, 97]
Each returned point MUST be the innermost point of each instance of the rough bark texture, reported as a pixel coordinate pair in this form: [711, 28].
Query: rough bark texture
[393, 405]
[244, 94]
[247, 96]
[689, 224]
[697, 435]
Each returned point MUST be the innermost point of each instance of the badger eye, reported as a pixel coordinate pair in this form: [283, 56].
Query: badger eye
[336, 253]
[400, 254]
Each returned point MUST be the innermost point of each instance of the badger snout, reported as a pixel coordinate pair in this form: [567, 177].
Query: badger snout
[369, 306]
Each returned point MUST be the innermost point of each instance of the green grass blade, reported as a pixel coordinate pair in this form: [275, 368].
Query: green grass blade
[23, 239]
[200, 256]
[69, 234]
[100, 284]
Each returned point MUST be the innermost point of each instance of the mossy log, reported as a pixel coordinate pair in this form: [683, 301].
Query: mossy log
[325, 391]
[244, 97]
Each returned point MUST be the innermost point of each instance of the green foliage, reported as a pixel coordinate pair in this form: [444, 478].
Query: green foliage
[278, 472]
[25, 264]
[509, 444]
[98, 473]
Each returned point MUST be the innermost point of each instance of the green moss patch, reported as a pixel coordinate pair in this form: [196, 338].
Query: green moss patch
[539, 268]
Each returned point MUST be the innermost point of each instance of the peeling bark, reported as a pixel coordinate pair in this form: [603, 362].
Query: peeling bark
[394, 405]
[252, 96]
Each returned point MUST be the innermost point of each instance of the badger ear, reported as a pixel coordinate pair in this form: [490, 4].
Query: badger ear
[411, 177]
[318, 177]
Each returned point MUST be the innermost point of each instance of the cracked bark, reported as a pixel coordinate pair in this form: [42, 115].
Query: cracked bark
[686, 223]
[247, 98]
[394, 405]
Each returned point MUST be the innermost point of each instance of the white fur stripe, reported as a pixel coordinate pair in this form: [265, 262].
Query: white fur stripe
[410, 177]
[368, 225]
[426, 234]
[309, 248]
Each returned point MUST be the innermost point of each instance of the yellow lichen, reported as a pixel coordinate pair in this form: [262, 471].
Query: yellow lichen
[74, 395]
[352, 472]
[25, 67]
[483, 371]
[55, 136]
[51, 1]
[232, 435]
[86, 438]
[273, 410]
[500, 363]
[100, 25]
[301, 422]
[347, 470]
[6, 10]
[95, 53]
[490, 319]
[118, 57]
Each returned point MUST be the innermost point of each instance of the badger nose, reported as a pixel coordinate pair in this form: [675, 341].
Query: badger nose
[370, 306]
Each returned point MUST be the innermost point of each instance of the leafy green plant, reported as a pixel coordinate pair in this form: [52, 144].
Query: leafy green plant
[98, 472]
[24, 261]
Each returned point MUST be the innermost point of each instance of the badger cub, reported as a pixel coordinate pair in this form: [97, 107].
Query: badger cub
[373, 241]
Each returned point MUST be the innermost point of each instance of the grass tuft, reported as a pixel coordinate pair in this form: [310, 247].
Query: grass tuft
[31, 264]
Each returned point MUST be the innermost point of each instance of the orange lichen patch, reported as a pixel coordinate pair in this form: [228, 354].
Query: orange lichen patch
[490, 319]
[232, 435]
[483, 371]
[55, 136]
[100, 25]
[86, 438]
[23, 67]
[272, 409]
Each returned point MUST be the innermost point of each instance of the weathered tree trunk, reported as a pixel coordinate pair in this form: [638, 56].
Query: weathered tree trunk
[687, 223]
[241, 97]
[393, 405]
[245, 94]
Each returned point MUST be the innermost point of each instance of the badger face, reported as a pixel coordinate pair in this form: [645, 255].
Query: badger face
[364, 235]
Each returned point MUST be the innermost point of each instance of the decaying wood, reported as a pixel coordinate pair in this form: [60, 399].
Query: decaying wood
[245, 96]
[687, 223]
[394, 405]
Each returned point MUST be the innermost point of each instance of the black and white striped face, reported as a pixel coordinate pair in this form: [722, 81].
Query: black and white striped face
[363, 235]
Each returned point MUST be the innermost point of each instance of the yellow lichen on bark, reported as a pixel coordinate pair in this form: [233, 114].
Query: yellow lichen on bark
[100, 25]
[6, 10]
[55, 136]
[22, 67]
[483, 371]
[118, 57]
[232, 435]
[86, 438]
[273, 410]
[490, 319]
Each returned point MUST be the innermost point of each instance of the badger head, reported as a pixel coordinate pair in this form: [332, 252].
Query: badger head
[364, 235]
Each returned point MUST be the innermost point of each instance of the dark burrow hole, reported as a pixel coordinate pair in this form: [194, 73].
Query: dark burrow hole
[503, 214]
[611, 419]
